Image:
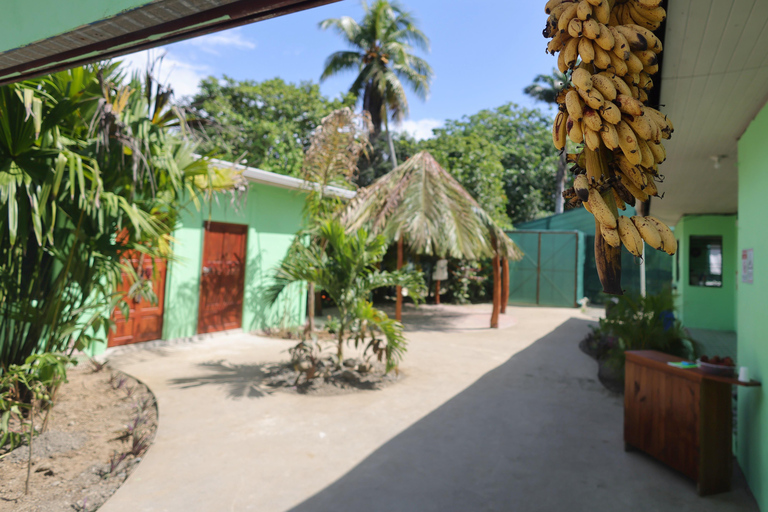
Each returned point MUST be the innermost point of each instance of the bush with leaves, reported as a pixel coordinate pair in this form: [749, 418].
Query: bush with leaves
[345, 267]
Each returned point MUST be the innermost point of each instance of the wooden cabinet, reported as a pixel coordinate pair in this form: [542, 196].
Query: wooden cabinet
[684, 418]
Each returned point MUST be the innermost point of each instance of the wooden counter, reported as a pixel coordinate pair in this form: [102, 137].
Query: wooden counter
[683, 417]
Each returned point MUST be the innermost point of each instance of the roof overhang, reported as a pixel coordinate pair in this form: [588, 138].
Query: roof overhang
[149, 25]
[714, 81]
[255, 175]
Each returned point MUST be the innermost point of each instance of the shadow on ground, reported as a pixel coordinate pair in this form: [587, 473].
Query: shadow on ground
[538, 433]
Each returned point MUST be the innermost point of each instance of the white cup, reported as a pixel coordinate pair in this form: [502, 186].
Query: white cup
[743, 374]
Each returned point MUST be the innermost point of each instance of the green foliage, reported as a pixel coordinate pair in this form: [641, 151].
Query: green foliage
[344, 266]
[644, 323]
[467, 282]
[503, 157]
[37, 379]
[268, 123]
[93, 175]
[382, 54]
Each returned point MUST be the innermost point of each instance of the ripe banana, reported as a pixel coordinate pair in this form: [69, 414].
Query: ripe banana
[586, 50]
[575, 132]
[582, 79]
[574, 105]
[610, 136]
[602, 58]
[584, 10]
[575, 28]
[592, 98]
[611, 112]
[629, 105]
[570, 52]
[591, 28]
[628, 143]
[605, 38]
[645, 153]
[611, 236]
[581, 186]
[621, 47]
[605, 86]
[618, 65]
[600, 210]
[591, 138]
[637, 41]
[668, 240]
[592, 120]
[659, 153]
[648, 232]
[559, 131]
[566, 17]
[602, 12]
[552, 4]
[630, 237]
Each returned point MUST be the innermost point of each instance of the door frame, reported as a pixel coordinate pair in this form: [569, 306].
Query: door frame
[206, 225]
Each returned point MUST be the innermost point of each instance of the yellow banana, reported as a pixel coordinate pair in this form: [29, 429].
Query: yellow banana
[610, 136]
[642, 126]
[591, 137]
[646, 82]
[556, 43]
[621, 47]
[592, 98]
[639, 194]
[618, 66]
[594, 2]
[605, 39]
[623, 193]
[570, 52]
[602, 58]
[618, 199]
[629, 105]
[648, 58]
[630, 237]
[604, 86]
[653, 42]
[668, 240]
[592, 120]
[639, 19]
[602, 12]
[645, 152]
[611, 112]
[647, 231]
[584, 10]
[651, 70]
[637, 41]
[574, 131]
[573, 105]
[634, 65]
[586, 50]
[649, 4]
[561, 65]
[559, 130]
[566, 17]
[632, 172]
[553, 4]
[600, 210]
[658, 150]
[651, 188]
[581, 187]
[575, 28]
[628, 143]
[591, 28]
[582, 79]
[620, 85]
[611, 236]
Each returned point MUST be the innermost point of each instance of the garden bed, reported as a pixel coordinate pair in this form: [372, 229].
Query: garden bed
[101, 425]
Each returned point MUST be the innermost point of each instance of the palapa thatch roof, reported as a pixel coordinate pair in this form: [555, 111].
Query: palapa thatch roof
[425, 205]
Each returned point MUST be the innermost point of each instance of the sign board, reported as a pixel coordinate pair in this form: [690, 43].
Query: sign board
[441, 271]
[747, 265]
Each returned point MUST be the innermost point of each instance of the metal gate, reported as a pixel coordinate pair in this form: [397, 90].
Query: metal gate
[550, 272]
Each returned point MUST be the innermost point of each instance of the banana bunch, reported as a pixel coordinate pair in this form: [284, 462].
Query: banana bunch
[611, 53]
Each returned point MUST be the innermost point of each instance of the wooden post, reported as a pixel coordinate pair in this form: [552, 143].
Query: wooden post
[399, 291]
[437, 292]
[504, 285]
[496, 292]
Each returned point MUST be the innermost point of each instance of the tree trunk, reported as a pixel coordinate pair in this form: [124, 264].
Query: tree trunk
[399, 289]
[496, 293]
[562, 166]
[437, 292]
[389, 137]
[311, 307]
[504, 284]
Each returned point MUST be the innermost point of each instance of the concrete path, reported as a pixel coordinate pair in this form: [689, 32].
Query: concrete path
[484, 420]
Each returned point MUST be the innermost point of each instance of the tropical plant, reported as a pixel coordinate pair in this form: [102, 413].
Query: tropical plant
[345, 267]
[545, 88]
[382, 56]
[335, 148]
[94, 172]
[269, 124]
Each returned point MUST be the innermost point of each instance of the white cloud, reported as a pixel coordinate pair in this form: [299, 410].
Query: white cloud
[229, 38]
[421, 129]
[183, 77]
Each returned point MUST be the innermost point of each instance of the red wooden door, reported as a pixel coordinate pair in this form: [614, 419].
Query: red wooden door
[223, 277]
[145, 320]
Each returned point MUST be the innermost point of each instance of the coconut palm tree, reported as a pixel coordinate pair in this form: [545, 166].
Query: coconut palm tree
[545, 88]
[382, 55]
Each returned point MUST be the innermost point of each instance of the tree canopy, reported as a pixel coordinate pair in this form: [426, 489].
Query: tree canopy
[269, 123]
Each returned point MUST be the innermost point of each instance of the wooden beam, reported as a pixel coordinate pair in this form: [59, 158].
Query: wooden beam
[504, 284]
[399, 290]
[496, 293]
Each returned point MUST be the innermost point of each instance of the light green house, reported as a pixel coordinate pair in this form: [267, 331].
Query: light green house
[226, 253]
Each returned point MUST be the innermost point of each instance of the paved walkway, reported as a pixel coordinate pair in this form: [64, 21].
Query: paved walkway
[484, 420]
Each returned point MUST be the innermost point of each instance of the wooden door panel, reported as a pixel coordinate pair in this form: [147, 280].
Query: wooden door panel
[222, 277]
[145, 319]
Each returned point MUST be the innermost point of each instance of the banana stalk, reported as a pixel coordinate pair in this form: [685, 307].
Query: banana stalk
[607, 258]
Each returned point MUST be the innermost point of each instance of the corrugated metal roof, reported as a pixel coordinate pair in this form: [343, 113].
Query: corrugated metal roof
[157, 23]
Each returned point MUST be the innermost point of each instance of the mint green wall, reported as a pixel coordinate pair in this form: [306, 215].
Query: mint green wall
[700, 307]
[273, 215]
[752, 314]
[24, 21]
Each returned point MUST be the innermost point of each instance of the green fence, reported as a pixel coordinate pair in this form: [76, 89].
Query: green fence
[550, 273]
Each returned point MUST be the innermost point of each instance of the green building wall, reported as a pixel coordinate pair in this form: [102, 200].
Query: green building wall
[273, 216]
[701, 307]
[752, 302]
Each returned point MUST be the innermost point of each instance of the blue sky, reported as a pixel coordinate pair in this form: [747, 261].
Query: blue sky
[484, 52]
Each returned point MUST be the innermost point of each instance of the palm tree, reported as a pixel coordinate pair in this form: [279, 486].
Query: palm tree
[545, 88]
[382, 55]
